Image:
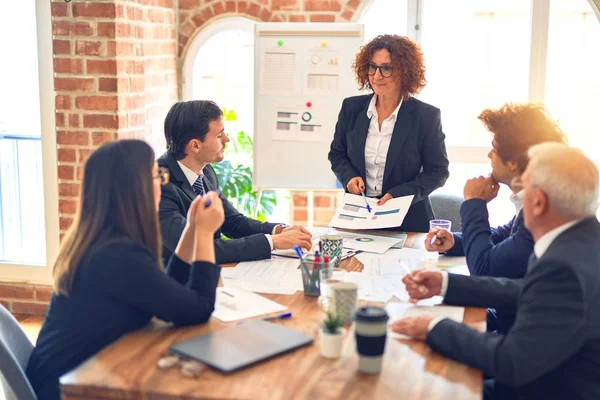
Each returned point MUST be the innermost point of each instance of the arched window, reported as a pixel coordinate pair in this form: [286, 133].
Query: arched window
[219, 66]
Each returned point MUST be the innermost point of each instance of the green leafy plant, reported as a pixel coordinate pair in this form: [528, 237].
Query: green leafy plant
[235, 178]
[333, 322]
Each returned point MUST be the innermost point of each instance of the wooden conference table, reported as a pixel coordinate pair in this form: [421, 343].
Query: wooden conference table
[411, 370]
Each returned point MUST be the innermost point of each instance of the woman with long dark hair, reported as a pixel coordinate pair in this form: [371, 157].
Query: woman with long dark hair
[109, 278]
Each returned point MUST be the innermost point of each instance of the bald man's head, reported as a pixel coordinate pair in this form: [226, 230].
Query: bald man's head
[566, 176]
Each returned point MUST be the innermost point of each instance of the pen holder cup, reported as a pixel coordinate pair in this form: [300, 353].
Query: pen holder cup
[311, 274]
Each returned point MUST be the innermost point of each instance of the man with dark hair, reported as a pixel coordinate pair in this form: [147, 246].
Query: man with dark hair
[196, 137]
[502, 251]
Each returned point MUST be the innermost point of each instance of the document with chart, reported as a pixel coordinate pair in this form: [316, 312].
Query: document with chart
[353, 212]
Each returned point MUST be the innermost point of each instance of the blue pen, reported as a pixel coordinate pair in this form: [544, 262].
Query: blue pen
[366, 202]
[298, 251]
[280, 316]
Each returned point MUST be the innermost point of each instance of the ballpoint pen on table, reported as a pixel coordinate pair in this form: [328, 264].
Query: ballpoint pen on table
[299, 253]
[366, 202]
[280, 316]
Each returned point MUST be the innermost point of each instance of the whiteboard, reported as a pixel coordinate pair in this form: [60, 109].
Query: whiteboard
[303, 72]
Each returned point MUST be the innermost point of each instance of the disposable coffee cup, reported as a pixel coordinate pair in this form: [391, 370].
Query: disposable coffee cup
[370, 331]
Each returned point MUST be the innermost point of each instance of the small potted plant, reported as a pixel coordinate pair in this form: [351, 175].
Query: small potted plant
[331, 335]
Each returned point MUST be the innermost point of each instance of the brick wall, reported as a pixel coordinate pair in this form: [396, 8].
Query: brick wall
[116, 65]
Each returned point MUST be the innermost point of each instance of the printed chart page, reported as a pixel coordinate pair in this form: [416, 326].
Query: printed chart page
[352, 213]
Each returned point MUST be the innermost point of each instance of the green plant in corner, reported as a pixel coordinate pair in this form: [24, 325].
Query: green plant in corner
[332, 323]
[235, 177]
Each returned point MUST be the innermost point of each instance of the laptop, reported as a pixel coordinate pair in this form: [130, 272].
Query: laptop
[234, 348]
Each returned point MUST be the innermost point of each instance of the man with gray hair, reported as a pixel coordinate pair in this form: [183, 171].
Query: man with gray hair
[553, 349]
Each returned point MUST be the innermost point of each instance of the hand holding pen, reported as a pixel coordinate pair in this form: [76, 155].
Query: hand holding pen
[366, 202]
[440, 240]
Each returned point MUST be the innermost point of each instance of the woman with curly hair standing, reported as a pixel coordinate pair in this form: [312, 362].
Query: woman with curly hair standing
[387, 143]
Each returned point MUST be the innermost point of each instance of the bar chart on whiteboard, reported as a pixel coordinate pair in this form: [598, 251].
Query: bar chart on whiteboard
[353, 213]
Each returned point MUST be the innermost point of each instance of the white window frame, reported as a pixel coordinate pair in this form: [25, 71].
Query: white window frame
[221, 25]
[42, 274]
[540, 17]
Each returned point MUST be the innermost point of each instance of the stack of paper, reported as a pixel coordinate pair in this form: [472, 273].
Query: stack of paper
[278, 276]
[353, 213]
[233, 304]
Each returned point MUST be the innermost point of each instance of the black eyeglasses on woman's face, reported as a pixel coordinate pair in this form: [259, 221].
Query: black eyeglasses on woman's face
[385, 70]
[163, 175]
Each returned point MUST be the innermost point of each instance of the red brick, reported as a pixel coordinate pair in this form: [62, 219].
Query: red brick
[74, 121]
[277, 18]
[297, 18]
[347, 15]
[73, 84]
[265, 15]
[300, 200]
[107, 84]
[97, 102]
[68, 65]
[219, 8]
[88, 48]
[285, 5]
[59, 119]
[322, 201]
[67, 28]
[6, 304]
[84, 154]
[300, 215]
[59, 9]
[67, 206]
[106, 29]
[189, 4]
[254, 9]
[242, 7]
[100, 121]
[120, 11]
[111, 48]
[157, 16]
[353, 4]
[67, 155]
[94, 10]
[198, 20]
[230, 6]
[101, 137]
[80, 138]
[123, 30]
[101, 67]
[43, 293]
[61, 46]
[29, 308]
[16, 292]
[322, 18]
[66, 172]
[135, 13]
[68, 190]
[188, 28]
[322, 5]
[62, 102]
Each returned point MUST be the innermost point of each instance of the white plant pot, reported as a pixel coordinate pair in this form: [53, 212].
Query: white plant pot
[331, 344]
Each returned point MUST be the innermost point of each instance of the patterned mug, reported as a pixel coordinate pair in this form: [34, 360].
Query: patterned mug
[331, 246]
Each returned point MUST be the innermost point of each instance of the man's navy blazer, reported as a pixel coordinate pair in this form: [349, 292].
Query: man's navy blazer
[553, 349]
[416, 162]
[248, 241]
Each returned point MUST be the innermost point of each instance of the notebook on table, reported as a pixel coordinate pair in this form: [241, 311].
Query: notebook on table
[240, 346]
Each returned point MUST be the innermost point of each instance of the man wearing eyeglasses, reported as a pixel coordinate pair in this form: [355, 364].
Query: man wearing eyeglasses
[388, 144]
[502, 251]
[196, 137]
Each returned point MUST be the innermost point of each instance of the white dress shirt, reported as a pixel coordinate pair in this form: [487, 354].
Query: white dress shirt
[517, 200]
[191, 176]
[539, 248]
[376, 147]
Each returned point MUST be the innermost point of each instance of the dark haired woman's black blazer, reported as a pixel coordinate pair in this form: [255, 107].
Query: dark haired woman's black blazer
[117, 289]
[416, 162]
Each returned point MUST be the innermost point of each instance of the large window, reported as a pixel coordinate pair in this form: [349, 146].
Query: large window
[483, 53]
[28, 185]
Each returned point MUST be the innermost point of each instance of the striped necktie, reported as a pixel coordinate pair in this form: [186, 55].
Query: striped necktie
[198, 186]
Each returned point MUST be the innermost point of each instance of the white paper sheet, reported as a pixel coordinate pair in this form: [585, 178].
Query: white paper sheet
[278, 74]
[233, 304]
[277, 276]
[352, 213]
[398, 311]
